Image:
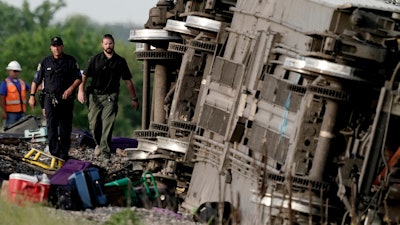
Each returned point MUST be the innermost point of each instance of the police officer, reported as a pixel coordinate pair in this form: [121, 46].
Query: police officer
[61, 74]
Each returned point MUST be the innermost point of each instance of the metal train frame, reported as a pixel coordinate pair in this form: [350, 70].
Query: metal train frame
[287, 109]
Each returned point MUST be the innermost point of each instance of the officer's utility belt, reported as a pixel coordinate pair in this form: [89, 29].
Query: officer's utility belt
[49, 94]
[54, 97]
[98, 92]
[101, 92]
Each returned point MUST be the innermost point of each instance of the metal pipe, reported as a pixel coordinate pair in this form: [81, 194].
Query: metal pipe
[326, 135]
[160, 91]
[324, 141]
[146, 105]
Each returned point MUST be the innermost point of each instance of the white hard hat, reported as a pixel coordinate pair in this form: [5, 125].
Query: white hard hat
[14, 65]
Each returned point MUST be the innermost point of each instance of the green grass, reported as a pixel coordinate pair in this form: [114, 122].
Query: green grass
[33, 214]
[125, 217]
[36, 214]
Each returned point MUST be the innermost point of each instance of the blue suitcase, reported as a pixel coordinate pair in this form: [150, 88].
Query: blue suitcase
[78, 181]
[89, 187]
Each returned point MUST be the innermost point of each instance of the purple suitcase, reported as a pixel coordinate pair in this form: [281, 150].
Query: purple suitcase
[70, 166]
[122, 143]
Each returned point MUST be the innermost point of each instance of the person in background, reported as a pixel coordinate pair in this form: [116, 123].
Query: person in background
[105, 70]
[61, 76]
[13, 94]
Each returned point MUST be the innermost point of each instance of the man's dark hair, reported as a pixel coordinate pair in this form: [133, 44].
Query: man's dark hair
[108, 36]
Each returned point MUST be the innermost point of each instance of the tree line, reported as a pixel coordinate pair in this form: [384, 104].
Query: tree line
[25, 36]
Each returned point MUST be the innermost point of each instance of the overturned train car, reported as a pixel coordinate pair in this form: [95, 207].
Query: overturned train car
[287, 109]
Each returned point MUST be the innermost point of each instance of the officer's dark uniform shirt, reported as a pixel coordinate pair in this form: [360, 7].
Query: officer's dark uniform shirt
[58, 74]
[106, 73]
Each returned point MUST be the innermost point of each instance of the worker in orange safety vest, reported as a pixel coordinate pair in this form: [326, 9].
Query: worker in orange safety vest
[13, 94]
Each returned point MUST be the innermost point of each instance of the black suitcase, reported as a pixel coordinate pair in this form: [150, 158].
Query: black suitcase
[9, 138]
[64, 197]
[96, 186]
[26, 122]
[82, 138]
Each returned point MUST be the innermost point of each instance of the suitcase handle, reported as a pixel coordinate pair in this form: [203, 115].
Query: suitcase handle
[146, 184]
[98, 187]
[33, 129]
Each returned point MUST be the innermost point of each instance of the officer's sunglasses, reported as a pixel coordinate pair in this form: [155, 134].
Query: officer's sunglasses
[16, 71]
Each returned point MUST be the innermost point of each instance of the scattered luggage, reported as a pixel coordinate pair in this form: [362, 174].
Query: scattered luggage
[36, 134]
[15, 132]
[83, 138]
[9, 138]
[78, 181]
[122, 143]
[71, 166]
[79, 185]
[26, 122]
[89, 187]
[96, 186]
[63, 195]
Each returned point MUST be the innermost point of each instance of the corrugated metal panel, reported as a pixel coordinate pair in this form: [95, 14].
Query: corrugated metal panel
[227, 72]
[214, 119]
[276, 91]
[370, 4]
[290, 14]
[277, 145]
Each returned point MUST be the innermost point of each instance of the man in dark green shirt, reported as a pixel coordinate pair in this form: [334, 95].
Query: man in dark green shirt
[105, 70]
